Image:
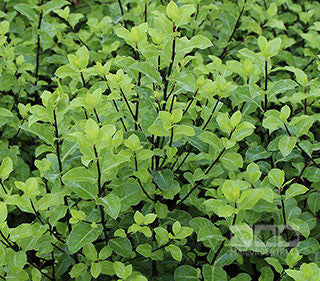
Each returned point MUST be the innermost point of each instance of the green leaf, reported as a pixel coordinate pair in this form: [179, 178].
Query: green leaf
[294, 190]
[213, 273]
[92, 129]
[83, 56]
[27, 11]
[43, 131]
[66, 71]
[274, 47]
[308, 246]
[6, 168]
[186, 273]
[287, 144]
[173, 11]
[232, 161]
[208, 232]
[231, 190]
[275, 263]
[272, 123]
[163, 178]
[175, 252]
[249, 198]
[90, 252]
[314, 202]
[148, 70]
[130, 194]
[3, 212]
[253, 172]
[162, 235]
[133, 142]
[79, 174]
[149, 218]
[112, 205]
[293, 257]
[95, 269]
[121, 270]
[5, 112]
[15, 260]
[121, 246]
[36, 274]
[183, 130]
[243, 233]
[300, 225]
[224, 122]
[144, 250]
[81, 234]
[276, 177]
[242, 131]
[77, 270]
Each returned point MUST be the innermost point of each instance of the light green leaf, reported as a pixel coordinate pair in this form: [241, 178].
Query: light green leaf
[314, 202]
[148, 70]
[79, 174]
[83, 56]
[66, 71]
[3, 212]
[81, 234]
[242, 131]
[275, 263]
[95, 269]
[90, 251]
[276, 177]
[121, 246]
[249, 198]
[300, 225]
[6, 168]
[77, 270]
[186, 273]
[213, 273]
[294, 190]
[112, 205]
[293, 257]
[232, 161]
[286, 145]
[27, 11]
[175, 252]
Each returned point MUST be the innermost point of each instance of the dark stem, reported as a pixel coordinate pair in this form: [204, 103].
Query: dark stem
[191, 101]
[265, 85]
[171, 137]
[85, 113]
[36, 212]
[301, 149]
[36, 74]
[143, 189]
[211, 115]
[135, 161]
[200, 181]
[115, 105]
[57, 145]
[3, 187]
[82, 79]
[305, 102]
[122, 13]
[53, 267]
[224, 51]
[100, 194]
[146, 12]
[96, 114]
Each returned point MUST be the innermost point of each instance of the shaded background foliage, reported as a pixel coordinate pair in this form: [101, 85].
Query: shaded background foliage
[154, 140]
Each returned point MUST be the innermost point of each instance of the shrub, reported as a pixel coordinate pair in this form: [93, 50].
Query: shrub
[154, 140]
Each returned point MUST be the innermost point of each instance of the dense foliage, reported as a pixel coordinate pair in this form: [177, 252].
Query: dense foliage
[155, 140]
